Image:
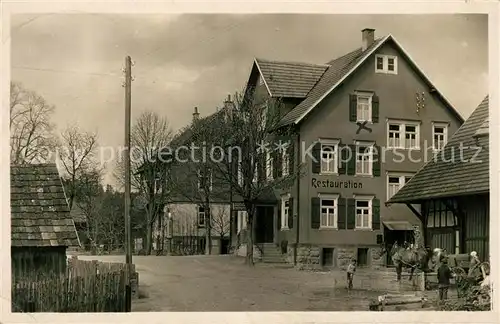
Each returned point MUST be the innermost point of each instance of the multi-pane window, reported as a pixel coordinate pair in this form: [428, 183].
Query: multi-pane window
[364, 159]
[201, 216]
[329, 157]
[402, 134]
[391, 64]
[439, 136]
[386, 64]
[394, 139]
[395, 182]
[364, 107]
[363, 213]
[411, 136]
[329, 209]
[285, 211]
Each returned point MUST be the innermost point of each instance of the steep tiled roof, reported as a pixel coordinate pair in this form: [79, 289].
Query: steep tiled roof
[40, 214]
[450, 174]
[339, 67]
[290, 79]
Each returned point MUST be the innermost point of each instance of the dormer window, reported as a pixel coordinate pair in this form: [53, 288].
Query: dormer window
[387, 64]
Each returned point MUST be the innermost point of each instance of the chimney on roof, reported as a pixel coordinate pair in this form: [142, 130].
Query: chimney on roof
[196, 114]
[368, 37]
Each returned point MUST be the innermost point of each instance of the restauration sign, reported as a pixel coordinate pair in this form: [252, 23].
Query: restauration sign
[349, 184]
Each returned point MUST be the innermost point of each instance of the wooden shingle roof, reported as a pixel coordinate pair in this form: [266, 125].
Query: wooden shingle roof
[337, 69]
[454, 171]
[40, 215]
[290, 79]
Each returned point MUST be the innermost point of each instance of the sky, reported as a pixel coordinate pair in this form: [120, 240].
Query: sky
[75, 61]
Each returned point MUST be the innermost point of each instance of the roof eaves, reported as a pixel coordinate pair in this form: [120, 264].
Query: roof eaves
[354, 68]
[262, 76]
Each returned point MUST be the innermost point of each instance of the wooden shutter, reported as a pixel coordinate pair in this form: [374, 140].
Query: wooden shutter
[290, 213]
[316, 163]
[351, 213]
[341, 219]
[375, 108]
[343, 155]
[315, 212]
[276, 165]
[353, 107]
[278, 219]
[376, 214]
[377, 156]
[291, 158]
[351, 164]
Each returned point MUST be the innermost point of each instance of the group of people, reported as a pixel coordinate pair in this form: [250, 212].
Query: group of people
[444, 273]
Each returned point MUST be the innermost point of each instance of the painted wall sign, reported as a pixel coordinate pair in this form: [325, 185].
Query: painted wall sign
[361, 126]
[336, 184]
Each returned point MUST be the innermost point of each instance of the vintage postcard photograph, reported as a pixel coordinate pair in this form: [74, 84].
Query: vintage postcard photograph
[248, 162]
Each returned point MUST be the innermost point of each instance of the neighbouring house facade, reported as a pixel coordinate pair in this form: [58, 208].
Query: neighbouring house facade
[182, 226]
[41, 226]
[453, 190]
[363, 124]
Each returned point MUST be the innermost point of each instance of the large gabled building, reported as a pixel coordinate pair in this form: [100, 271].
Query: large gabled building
[377, 104]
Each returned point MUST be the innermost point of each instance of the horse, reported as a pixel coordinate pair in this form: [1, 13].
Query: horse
[409, 257]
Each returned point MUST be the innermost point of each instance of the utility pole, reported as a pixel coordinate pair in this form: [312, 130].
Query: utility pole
[128, 238]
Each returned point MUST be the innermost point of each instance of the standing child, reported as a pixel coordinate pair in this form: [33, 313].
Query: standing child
[351, 269]
[444, 275]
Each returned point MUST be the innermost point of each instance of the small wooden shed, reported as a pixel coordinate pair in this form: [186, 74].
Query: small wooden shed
[453, 190]
[41, 226]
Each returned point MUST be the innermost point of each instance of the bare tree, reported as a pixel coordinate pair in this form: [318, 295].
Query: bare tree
[257, 159]
[77, 153]
[221, 222]
[149, 133]
[88, 197]
[31, 131]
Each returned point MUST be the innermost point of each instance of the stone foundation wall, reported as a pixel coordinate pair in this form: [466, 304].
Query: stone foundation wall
[309, 256]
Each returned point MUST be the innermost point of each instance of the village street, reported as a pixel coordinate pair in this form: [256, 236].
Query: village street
[224, 283]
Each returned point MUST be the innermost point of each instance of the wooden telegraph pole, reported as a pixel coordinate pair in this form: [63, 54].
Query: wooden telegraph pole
[128, 239]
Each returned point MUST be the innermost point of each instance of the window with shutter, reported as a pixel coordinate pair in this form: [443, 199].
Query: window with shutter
[364, 107]
[364, 212]
[329, 211]
[364, 158]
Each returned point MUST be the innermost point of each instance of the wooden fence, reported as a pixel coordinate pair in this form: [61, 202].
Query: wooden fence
[87, 286]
